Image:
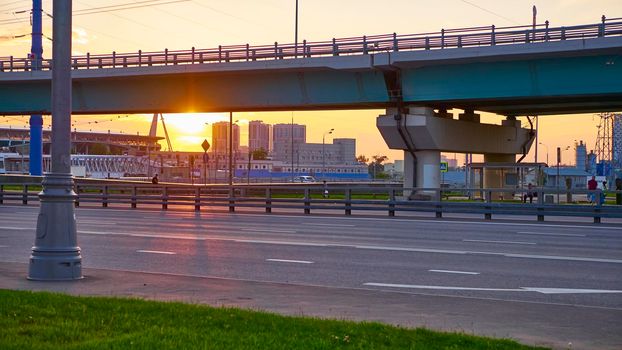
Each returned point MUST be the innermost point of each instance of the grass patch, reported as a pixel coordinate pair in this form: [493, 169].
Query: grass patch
[53, 321]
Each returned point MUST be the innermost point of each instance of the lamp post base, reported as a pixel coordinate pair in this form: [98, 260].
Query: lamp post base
[56, 255]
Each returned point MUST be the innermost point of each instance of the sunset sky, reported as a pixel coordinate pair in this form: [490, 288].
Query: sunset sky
[209, 23]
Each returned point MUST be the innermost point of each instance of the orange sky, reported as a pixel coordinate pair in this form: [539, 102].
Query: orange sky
[208, 23]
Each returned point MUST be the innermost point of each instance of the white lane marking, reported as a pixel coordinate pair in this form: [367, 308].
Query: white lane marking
[280, 242]
[456, 272]
[265, 230]
[146, 235]
[499, 242]
[570, 291]
[99, 223]
[556, 257]
[337, 245]
[291, 261]
[416, 250]
[415, 286]
[16, 228]
[520, 289]
[155, 252]
[507, 255]
[331, 225]
[551, 234]
[4, 246]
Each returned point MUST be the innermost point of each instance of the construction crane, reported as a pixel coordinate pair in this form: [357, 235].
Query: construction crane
[154, 128]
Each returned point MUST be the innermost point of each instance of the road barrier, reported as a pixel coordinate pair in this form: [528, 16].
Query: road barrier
[344, 198]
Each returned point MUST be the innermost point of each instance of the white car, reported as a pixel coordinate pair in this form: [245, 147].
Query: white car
[304, 179]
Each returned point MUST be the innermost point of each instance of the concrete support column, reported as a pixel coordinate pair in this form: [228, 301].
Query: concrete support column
[427, 174]
[493, 178]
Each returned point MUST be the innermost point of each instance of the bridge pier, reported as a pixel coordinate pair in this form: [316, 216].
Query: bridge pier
[424, 134]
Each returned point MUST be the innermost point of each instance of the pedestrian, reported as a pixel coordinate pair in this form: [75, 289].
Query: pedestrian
[154, 179]
[592, 185]
[603, 193]
[619, 191]
[529, 194]
[325, 189]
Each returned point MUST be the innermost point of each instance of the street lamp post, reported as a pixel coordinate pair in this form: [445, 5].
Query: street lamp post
[547, 152]
[56, 255]
[230, 148]
[323, 153]
[296, 33]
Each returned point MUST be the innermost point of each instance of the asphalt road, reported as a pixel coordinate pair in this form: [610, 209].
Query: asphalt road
[565, 263]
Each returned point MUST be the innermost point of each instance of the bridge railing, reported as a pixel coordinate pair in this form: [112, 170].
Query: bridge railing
[307, 198]
[446, 38]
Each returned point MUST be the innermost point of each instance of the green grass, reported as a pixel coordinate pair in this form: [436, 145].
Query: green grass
[54, 321]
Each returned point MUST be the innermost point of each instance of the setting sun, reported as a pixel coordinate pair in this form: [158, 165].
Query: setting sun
[191, 123]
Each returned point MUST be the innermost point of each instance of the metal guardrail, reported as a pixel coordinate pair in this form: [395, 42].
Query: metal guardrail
[310, 197]
[450, 38]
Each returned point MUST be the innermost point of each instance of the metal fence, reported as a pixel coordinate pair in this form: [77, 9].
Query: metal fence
[333, 198]
[446, 38]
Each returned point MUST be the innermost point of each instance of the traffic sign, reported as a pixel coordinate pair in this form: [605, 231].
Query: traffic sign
[444, 167]
[205, 145]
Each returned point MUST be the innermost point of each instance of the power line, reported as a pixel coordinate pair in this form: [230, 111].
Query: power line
[148, 3]
[196, 22]
[101, 9]
[489, 11]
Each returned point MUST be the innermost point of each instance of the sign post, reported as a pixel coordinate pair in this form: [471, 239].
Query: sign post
[205, 146]
[444, 169]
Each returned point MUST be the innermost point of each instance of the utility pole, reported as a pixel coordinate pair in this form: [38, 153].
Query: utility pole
[56, 255]
[36, 120]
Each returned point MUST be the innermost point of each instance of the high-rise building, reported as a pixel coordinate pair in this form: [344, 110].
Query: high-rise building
[259, 136]
[286, 147]
[220, 135]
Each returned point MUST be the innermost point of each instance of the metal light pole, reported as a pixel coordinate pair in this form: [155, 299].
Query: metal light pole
[230, 148]
[296, 33]
[535, 15]
[547, 152]
[323, 153]
[535, 158]
[292, 149]
[56, 255]
[36, 120]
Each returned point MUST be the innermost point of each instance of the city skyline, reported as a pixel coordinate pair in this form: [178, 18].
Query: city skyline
[134, 29]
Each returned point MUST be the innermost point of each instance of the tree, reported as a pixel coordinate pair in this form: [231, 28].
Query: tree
[260, 154]
[376, 169]
[362, 159]
[378, 159]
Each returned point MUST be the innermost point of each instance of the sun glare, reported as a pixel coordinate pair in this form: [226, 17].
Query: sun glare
[191, 123]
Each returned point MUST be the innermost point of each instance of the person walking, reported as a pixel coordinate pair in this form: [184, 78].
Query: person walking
[592, 186]
[529, 193]
[325, 189]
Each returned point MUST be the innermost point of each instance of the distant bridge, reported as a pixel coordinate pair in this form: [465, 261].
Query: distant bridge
[511, 71]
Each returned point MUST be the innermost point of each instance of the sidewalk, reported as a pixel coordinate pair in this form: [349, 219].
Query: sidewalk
[529, 323]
